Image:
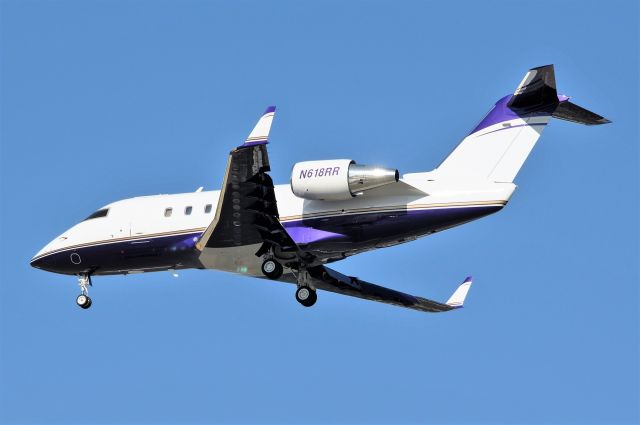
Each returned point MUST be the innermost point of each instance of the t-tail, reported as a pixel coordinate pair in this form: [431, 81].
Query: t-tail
[498, 146]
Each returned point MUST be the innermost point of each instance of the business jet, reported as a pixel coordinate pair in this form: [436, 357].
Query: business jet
[331, 210]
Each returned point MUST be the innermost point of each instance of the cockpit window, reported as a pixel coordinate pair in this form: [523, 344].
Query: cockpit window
[98, 214]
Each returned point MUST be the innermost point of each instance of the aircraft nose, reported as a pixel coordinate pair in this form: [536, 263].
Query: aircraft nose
[50, 262]
[37, 262]
[41, 260]
[54, 258]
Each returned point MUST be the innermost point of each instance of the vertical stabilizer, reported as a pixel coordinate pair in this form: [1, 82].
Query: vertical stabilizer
[499, 145]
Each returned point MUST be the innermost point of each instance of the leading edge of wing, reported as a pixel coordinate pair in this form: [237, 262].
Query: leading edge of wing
[321, 277]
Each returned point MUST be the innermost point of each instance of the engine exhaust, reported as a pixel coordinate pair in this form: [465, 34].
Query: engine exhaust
[366, 177]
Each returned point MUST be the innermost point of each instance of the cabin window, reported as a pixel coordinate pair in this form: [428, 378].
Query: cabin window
[187, 211]
[207, 208]
[167, 212]
[100, 213]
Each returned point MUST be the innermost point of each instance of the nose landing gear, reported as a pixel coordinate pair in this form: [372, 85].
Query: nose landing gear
[83, 300]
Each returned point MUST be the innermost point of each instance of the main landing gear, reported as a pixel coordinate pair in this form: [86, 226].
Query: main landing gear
[83, 300]
[271, 268]
[306, 296]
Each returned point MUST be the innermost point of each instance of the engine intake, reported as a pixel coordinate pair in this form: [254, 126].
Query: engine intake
[337, 179]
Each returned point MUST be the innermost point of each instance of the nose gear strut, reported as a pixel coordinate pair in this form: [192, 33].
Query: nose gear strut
[83, 300]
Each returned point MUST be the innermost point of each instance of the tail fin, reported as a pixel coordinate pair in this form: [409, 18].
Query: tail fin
[537, 91]
[498, 146]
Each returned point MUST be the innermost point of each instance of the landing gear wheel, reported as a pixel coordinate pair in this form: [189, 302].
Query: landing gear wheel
[306, 296]
[83, 301]
[271, 269]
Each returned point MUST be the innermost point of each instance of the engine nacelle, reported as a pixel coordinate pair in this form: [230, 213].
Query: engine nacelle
[337, 179]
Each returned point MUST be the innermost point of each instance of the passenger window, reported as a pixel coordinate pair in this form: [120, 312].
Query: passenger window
[187, 211]
[207, 208]
[167, 212]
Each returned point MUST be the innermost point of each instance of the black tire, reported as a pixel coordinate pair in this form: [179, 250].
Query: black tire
[83, 301]
[306, 296]
[271, 269]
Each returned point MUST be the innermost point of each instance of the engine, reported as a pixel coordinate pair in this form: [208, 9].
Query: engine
[337, 179]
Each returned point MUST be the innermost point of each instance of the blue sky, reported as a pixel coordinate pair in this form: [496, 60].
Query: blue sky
[105, 100]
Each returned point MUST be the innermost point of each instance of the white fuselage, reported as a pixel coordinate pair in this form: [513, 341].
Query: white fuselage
[136, 221]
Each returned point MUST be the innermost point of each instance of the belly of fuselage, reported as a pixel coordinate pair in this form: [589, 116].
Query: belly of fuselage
[338, 236]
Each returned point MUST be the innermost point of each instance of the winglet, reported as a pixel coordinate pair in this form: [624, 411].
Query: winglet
[457, 299]
[260, 133]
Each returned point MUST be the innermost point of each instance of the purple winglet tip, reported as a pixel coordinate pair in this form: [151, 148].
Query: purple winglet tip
[270, 109]
[468, 279]
[563, 98]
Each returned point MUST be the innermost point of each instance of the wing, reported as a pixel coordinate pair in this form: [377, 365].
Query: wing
[321, 277]
[246, 223]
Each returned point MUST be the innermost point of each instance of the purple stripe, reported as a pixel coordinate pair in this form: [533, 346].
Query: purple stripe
[501, 113]
[367, 229]
[305, 235]
[269, 109]
[249, 144]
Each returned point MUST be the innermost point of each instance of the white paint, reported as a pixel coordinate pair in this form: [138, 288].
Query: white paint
[458, 297]
[261, 131]
[495, 153]
[322, 180]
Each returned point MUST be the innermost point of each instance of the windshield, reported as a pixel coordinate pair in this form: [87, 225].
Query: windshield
[100, 213]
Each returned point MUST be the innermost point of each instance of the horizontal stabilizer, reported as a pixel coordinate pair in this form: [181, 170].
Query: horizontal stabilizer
[571, 112]
[537, 92]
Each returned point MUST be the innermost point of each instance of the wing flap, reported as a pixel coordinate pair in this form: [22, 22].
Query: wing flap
[247, 220]
[233, 224]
